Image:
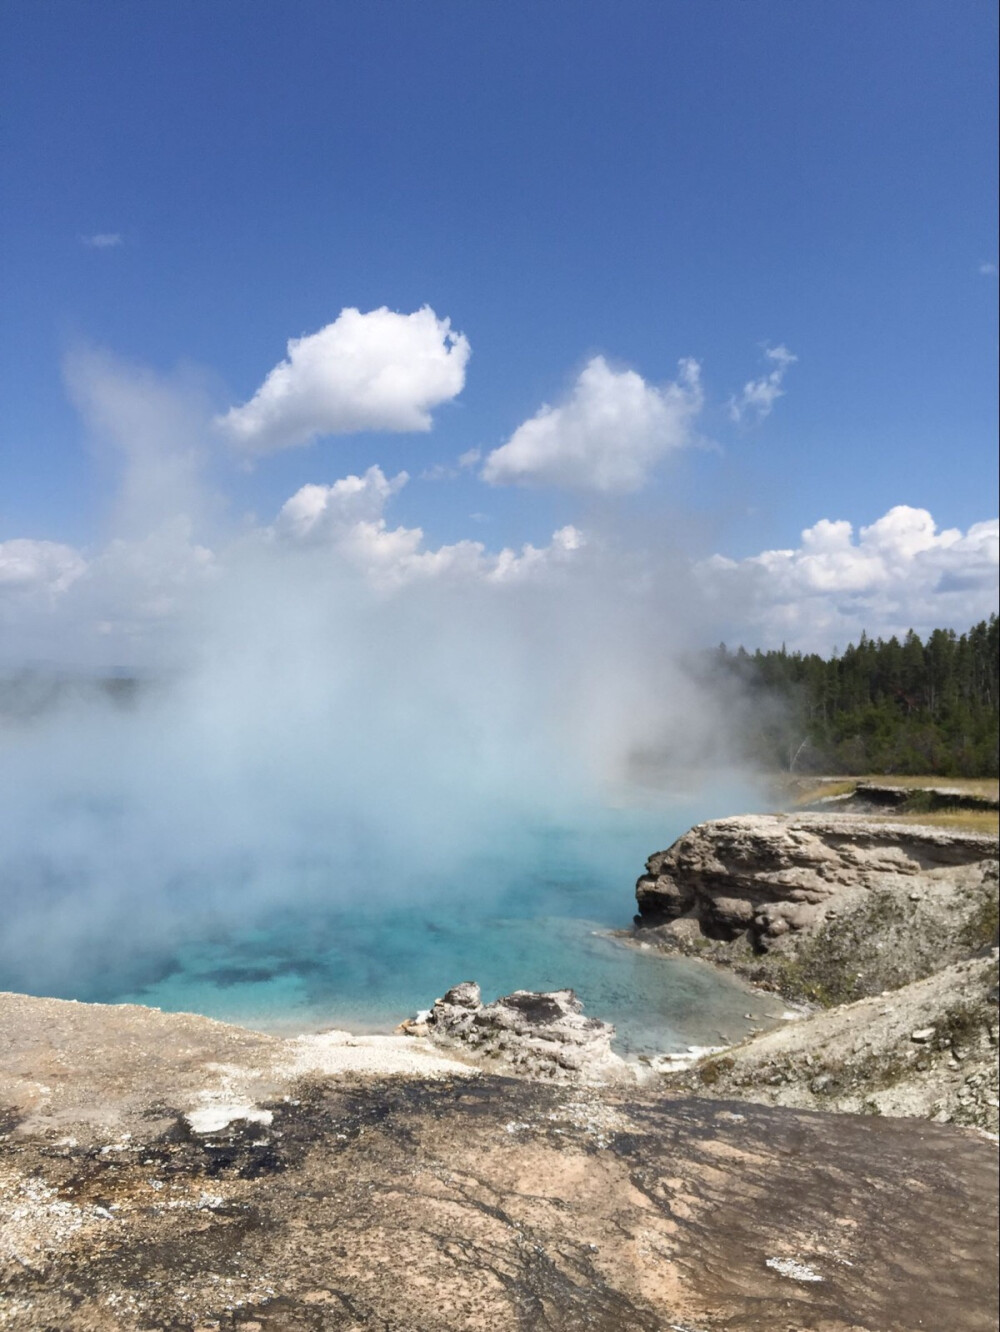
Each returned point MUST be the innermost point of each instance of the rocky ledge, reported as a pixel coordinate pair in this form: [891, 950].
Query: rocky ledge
[890, 927]
[829, 908]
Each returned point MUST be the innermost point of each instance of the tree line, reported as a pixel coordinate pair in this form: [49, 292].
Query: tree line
[880, 706]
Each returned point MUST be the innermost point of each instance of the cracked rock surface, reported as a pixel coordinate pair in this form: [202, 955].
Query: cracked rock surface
[451, 1200]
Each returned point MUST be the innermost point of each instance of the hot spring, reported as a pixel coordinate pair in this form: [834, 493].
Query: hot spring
[319, 799]
[114, 898]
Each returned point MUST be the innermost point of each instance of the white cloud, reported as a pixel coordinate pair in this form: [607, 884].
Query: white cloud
[141, 598]
[348, 518]
[124, 604]
[605, 436]
[374, 371]
[103, 240]
[988, 270]
[151, 593]
[147, 599]
[535, 559]
[760, 395]
[318, 510]
[901, 572]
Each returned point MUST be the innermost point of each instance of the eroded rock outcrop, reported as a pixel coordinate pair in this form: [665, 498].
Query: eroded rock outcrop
[829, 908]
[927, 1050]
[543, 1035]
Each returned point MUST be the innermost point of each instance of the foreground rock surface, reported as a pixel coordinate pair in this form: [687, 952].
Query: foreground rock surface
[403, 1203]
[540, 1035]
[820, 907]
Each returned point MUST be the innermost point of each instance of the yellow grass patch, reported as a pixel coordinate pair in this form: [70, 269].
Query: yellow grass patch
[966, 820]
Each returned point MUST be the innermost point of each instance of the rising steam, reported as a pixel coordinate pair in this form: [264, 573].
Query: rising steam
[327, 710]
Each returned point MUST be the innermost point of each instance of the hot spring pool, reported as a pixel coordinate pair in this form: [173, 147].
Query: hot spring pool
[366, 940]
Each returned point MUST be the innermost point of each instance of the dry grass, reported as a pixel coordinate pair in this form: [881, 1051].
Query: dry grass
[801, 792]
[797, 792]
[987, 787]
[965, 820]
[805, 790]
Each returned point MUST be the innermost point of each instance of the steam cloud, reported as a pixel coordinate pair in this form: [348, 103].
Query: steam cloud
[331, 711]
[334, 711]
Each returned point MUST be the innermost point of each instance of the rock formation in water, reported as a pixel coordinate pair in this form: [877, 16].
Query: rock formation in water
[541, 1035]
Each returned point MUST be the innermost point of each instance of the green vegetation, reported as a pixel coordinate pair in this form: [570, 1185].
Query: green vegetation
[879, 707]
[712, 1070]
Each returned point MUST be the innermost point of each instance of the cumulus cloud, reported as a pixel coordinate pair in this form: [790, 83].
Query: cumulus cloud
[143, 598]
[317, 510]
[759, 395]
[900, 572]
[103, 240]
[123, 602]
[374, 371]
[348, 518]
[605, 436]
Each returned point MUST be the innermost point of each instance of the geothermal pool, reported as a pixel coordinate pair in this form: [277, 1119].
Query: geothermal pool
[368, 974]
[535, 913]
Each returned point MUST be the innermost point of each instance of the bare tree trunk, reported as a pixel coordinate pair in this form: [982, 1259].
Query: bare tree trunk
[795, 756]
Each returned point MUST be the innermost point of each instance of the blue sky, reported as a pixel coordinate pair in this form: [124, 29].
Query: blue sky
[644, 182]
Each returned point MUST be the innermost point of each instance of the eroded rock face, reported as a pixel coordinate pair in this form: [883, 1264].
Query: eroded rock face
[823, 907]
[541, 1034]
[927, 1050]
[771, 873]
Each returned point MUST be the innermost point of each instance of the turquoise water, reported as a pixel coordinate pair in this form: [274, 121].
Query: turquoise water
[329, 929]
[369, 975]
[537, 925]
